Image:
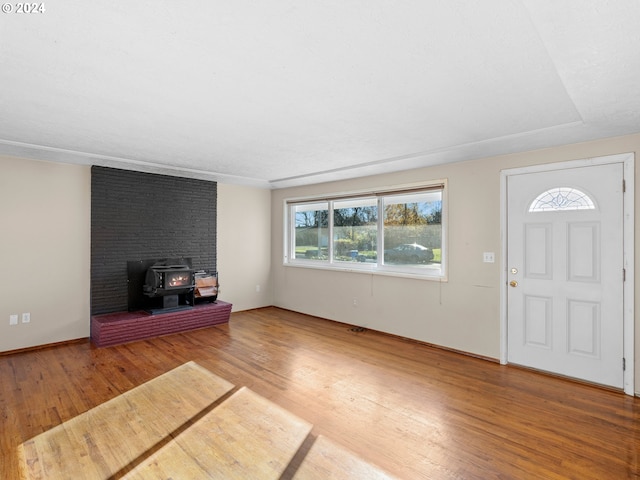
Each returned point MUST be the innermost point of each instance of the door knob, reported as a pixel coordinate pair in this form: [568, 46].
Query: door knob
[513, 283]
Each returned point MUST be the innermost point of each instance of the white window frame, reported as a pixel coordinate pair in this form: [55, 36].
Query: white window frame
[426, 272]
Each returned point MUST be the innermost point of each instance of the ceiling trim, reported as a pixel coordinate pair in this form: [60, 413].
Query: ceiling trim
[459, 153]
[62, 155]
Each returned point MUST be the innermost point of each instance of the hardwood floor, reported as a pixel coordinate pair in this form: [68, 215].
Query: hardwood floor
[417, 412]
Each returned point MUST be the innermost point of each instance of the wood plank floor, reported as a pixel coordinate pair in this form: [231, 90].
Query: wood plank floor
[417, 412]
[326, 461]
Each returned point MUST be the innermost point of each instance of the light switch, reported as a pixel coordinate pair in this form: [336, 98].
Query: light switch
[489, 257]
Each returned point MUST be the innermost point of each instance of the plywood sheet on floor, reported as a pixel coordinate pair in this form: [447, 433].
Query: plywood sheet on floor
[246, 436]
[106, 439]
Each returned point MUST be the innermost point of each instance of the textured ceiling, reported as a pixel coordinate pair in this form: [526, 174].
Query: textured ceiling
[283, 93]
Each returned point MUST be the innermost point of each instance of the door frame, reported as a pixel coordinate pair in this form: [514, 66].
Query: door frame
[628, 160]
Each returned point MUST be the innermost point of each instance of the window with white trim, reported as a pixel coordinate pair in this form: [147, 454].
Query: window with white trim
[398, 232]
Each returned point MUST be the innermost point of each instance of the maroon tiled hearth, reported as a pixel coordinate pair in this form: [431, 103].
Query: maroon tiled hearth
[122, 327]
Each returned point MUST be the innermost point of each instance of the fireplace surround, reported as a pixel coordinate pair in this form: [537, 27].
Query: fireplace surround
[137, 215]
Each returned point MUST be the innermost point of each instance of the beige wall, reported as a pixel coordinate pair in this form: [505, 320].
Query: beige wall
[44, 251]
[463, 313]
[244, 246]
[45, 214]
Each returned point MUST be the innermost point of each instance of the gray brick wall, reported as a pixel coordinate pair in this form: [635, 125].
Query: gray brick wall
[140, 216]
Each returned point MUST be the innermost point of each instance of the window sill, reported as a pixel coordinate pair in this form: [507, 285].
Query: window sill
[415, 273]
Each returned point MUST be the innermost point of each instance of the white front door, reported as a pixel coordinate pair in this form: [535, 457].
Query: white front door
[565, 272]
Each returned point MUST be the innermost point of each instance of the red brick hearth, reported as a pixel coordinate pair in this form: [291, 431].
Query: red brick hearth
[122, 327]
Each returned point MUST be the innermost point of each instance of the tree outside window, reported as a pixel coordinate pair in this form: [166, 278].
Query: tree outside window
[413, 228]
[355, 230]
[311, 231]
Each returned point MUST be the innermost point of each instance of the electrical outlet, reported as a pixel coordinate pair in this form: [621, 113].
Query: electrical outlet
[13, 319]
[257, 288]
[355, 302]
[26, 317]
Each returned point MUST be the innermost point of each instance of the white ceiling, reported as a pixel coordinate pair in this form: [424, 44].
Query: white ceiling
[276, 93]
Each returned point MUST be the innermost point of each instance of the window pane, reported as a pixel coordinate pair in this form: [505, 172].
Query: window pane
[413, 229]
[560, 199]
[311, 231]
[355, 225]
